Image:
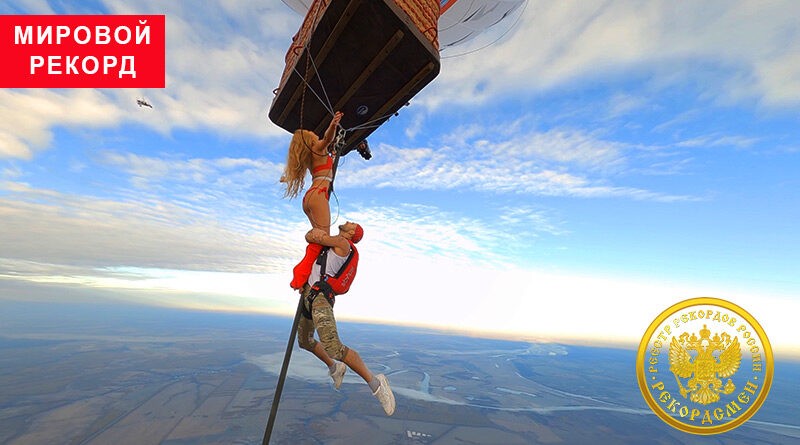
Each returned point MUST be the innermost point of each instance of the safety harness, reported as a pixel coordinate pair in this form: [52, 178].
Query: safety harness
[330, 286]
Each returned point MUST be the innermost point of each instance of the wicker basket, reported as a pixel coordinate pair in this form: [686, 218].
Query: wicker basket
[424, 14]
[366, 58]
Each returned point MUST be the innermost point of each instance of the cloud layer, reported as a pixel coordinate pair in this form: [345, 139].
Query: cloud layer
[733, 50]
[516, 159]
[224, 62]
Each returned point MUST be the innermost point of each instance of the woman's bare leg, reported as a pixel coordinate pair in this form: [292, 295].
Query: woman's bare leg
[317, 209]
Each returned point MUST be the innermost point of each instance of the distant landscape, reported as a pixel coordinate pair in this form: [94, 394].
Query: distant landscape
[103, 374]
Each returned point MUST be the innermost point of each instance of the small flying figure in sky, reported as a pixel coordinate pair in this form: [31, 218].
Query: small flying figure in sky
[143, 103]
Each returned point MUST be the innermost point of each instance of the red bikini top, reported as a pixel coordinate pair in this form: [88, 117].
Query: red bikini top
[326, 166]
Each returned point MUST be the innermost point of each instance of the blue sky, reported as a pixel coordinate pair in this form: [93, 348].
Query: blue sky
[598, 163]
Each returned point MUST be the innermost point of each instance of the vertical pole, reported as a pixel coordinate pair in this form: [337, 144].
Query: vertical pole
[279, 388]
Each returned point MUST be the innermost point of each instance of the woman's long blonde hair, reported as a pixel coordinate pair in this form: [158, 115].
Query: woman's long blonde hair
[298, 160]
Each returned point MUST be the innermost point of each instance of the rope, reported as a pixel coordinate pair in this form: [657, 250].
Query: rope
[338, 207]
[370, 124]
[329, 106]
[305, 87]
[308, 65]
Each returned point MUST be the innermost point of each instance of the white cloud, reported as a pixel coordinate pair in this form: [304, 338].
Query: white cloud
[529, 218]
[48, 227]
[223, 60]
[735, 50]
[27, 117]
[28, 6]
[414, 230]
[167, 254]
[420, 266]
[404, 288]
[416, 125]
[781, 78]
[534, 304]
[622, 104]
[513, 159]
[222, 65]
[719, 140]
[11, 172]
[189, 217]
[238, 172]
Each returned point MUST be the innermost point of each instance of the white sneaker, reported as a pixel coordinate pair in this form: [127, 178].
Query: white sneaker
[338, 374]
[385, 395]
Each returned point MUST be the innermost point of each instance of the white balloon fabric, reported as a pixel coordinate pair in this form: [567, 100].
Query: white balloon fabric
[460, 20]
[299, 6]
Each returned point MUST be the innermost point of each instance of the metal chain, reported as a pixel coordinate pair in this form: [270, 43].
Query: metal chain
[338, 142]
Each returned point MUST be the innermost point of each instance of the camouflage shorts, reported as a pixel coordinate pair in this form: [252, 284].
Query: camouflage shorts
[324, 323]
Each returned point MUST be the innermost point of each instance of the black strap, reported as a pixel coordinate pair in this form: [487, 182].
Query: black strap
[333, 172]
[322, 260]
[319, 288]
[308, 296]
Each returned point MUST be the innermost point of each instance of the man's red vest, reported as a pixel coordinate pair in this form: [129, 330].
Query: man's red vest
[340, 283]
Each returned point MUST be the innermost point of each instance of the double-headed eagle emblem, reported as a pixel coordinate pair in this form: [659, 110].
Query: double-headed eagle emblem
[707, 367]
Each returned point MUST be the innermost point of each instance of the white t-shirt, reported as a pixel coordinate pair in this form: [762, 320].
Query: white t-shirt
[332, 266]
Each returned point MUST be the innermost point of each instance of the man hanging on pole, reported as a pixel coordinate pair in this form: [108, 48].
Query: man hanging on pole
[319, 282]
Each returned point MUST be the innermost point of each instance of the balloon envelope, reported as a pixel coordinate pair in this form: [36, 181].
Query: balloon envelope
[460, 20]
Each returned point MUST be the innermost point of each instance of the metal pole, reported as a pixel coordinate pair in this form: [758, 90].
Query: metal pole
[279, 388]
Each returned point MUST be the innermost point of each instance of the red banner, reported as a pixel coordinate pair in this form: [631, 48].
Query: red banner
[82, 51]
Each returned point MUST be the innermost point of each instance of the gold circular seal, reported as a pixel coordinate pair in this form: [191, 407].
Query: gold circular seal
[704, 366]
